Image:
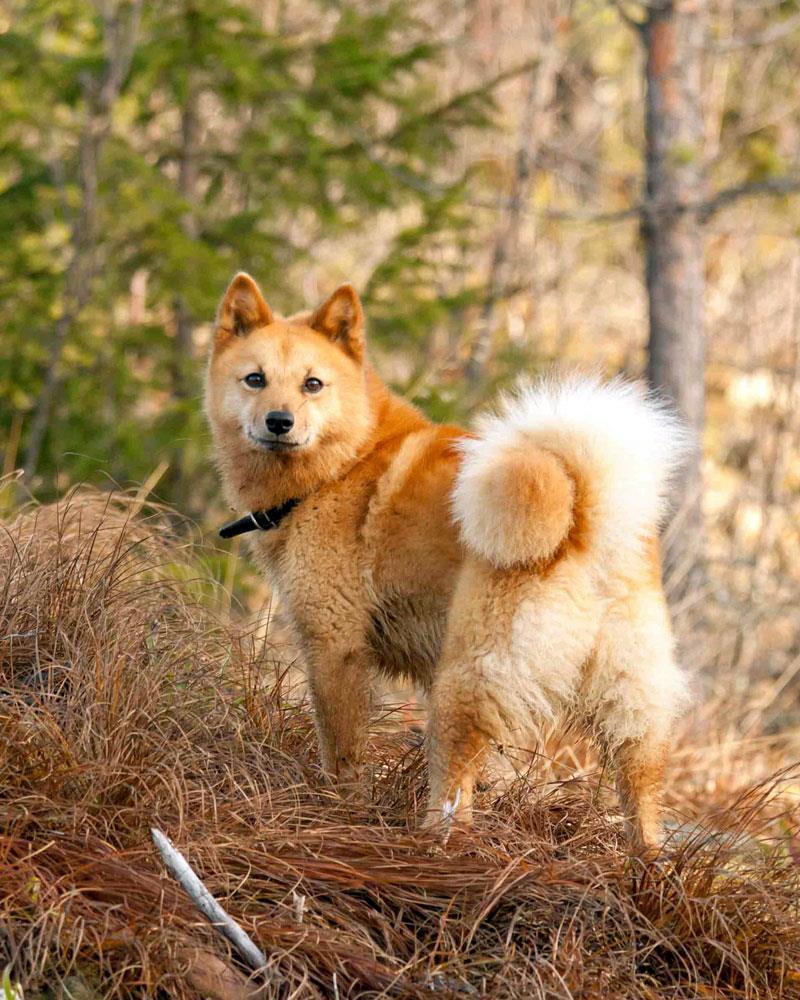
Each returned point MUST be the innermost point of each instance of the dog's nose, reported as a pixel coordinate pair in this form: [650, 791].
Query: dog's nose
[279, 421]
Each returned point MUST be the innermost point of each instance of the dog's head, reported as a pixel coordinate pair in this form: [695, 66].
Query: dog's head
[290, 390]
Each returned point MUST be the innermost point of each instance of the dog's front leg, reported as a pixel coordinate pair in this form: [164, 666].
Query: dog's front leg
[340, 690]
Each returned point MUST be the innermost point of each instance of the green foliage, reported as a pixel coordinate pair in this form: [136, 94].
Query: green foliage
[284, 137]
[297, 135]
[11, 991]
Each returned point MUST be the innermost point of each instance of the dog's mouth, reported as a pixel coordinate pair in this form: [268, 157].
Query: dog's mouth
[275, 444]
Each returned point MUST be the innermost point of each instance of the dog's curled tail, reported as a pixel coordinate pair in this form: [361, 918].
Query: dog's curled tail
[572, 458]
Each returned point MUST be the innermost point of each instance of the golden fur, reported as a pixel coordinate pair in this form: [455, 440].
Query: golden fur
[513, 573]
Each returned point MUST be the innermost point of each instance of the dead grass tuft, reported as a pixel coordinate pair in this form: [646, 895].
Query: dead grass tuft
[126, 703]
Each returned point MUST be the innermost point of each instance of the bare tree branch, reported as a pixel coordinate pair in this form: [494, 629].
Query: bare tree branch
[442, 109]
[768, 37]
[772, 186]
[180, 868]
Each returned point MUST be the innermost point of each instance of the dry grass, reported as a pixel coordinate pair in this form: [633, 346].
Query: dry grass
[126, 703]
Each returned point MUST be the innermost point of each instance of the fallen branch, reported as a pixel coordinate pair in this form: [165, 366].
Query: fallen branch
[180, 868]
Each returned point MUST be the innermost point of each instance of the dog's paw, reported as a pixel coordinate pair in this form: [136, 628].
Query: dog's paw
[648, 865]
[447, 840]
[353, 784]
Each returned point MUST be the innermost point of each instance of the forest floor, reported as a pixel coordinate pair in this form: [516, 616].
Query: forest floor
[129, 700]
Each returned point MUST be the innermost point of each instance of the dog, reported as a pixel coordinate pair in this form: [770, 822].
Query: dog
[512, 572]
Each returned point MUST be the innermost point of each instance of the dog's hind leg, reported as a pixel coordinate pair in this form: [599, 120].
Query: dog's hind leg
[639, 768]
[632, 691]
[511, 660]
[465, 707]
[460, 729]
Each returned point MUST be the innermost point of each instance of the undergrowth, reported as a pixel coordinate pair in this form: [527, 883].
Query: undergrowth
[127, 702]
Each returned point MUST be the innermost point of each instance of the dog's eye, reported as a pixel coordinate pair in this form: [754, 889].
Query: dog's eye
[255, 380]
[312, 385]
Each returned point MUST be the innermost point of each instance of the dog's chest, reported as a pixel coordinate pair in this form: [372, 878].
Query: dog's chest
[406, 634]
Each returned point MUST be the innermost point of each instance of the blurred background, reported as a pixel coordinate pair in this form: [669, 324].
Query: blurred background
[509, 184]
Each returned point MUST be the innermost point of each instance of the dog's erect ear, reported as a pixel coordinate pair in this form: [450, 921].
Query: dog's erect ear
[242, 309]
[341, 319]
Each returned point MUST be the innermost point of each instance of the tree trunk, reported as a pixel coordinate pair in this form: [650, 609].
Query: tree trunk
[182, 372]
[673, 36]
[187, 187]
[77, 286]
[120, 29]
[534, 128]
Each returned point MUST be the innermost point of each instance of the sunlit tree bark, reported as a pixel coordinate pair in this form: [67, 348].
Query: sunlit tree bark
[535, 126]
[673, 37]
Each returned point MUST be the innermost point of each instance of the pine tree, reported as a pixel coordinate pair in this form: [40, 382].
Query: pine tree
[221, 145]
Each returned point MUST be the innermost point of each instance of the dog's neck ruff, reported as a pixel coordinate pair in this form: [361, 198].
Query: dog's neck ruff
[259, 520]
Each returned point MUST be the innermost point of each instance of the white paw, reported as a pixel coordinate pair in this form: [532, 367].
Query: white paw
[449, 807]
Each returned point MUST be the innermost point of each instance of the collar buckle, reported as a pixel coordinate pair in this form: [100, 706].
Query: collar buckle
[258, 520]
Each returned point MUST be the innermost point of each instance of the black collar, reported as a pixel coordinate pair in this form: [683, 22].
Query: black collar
[258, 520]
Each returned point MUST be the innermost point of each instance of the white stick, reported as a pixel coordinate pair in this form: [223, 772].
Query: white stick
[299, 906]
[205, 902]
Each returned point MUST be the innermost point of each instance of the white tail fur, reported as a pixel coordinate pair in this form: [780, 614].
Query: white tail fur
[618, 446]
